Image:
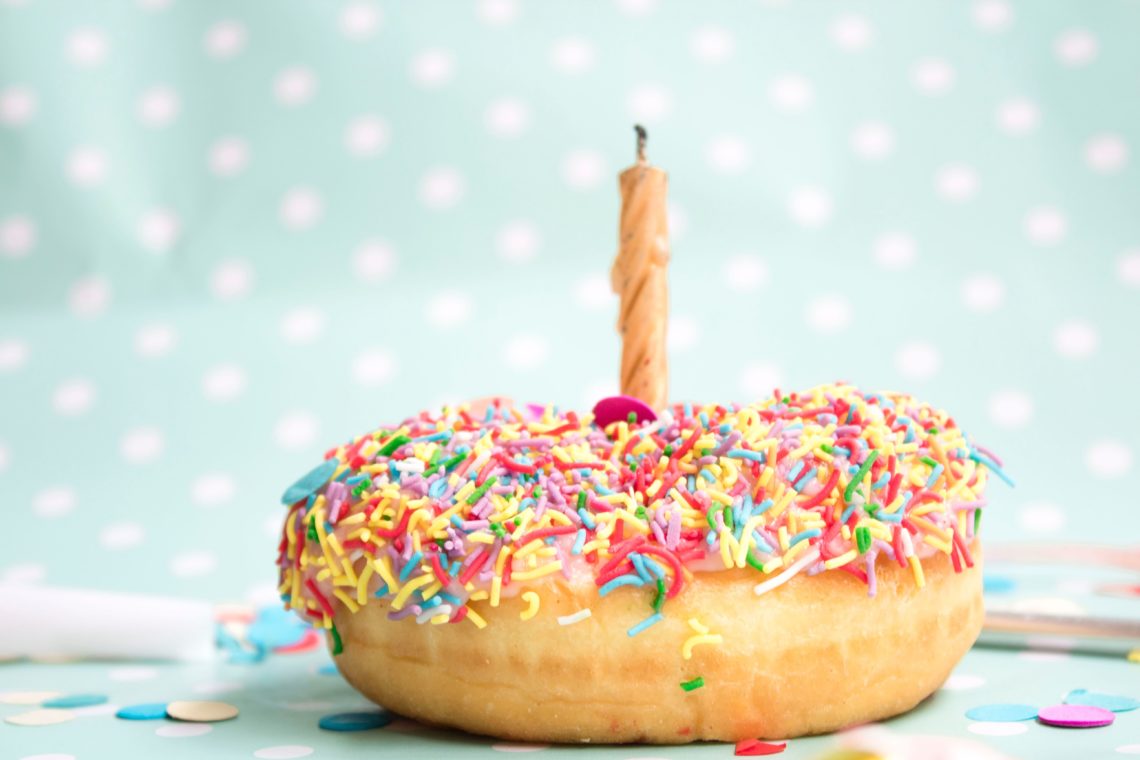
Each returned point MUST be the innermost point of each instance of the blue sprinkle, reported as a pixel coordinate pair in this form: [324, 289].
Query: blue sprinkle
[629, 579]
[654, 567]
[763, 507]
[761, 544]
[579, 541]
[992, 466]
[1112, 702]
[1001, 713]
[456, 521]
[311, 482]
[934, 474]
[847, 513]
[355, 480]
[381, 591]
[435, 601]
[76, 700]
[587, 519]
[688, 409]
[436, 489]
[328, 670]
[433, 437]
[883, 480]
[755, 456]
[799, 484]
[891, 517]
[707, 475]
[651, 620]
[803, 535]
[412, 564]
[724, 429]
[640, 567]
[691, 484]
[274, 627]
[145, 711]
[795, 471]
[449, 597]
[704, 418]
[603, 490]
[710, 537]
[356, 721]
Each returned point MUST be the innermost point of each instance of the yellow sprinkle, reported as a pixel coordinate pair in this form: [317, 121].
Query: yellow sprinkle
[842, 559]
[916, 568]
[479, 596]
[433, 589]
[782, 537]
[719, 497]
[348, 602]
[440, 619]
[381, 565]
[746, 539]
[775, 563]
[692, 641]
[496, 589]
[698, 626]
[362, 583]
[547, 569]
[532, 601]
[943, 546]
[727, 542]
[405, 592]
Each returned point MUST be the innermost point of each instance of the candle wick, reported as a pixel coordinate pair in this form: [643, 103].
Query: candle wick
[642, 137]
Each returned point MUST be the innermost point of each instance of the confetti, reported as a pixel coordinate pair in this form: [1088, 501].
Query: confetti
[46, 717]
[145, 711]
[310, 482]
[1002, 713]
[756, 748]
[1075, 716]
[356, 721]
[76, 700]
[201, 712]
[617, 408]
[27, 697]
[1111, 702]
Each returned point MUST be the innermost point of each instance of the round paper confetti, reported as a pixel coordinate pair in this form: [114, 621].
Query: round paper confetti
[1112, 702]
[356, 721]
[1001, 713]
[40, 717]
[1075, 716]
[201, 712]
[617, 408]
[146, 711]
[76, 700]
[27, 697]
[310, 482]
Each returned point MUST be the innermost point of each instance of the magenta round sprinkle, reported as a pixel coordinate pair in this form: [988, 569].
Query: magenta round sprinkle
[614, 408]
[1075, 716]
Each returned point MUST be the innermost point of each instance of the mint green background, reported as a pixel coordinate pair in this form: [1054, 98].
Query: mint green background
[541, 328]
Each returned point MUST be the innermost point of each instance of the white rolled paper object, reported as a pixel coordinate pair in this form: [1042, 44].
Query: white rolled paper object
[43, 621]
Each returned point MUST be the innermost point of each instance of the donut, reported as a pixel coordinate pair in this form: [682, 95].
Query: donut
[721, 572]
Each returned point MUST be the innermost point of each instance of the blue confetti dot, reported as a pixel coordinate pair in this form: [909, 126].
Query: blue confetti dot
[76, 700]
[997, 584]
[1001, 713]
[276, 627]
[328, 670]
[1112, 702]
[356, 721]
[310, 482]
[146, 711]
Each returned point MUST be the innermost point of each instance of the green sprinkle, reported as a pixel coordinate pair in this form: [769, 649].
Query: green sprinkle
[641, 513]
[863, 538]
[728, 521]
[709, 516]
[669, 450]
[696, 683]
[977, 519]
[311, 534]
[929, 461]
[858, 476]
[787, 399]
[338, 645]
[632, 418]
[477, 494]
[538, 492]
[394, 444]
[660, 598]
[435, 455]
[497, 529]
[450, 464]
[753, 562]
[933, 431]
[828, 449]
[581, 500]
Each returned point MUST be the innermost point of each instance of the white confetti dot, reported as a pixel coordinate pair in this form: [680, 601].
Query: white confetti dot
[497, 12]
[745, 272]
[1041, 518]
[89, 296]
[193, 564]
[790, 92]
[17, 236]
[583, 169]
[992, 15]
[810, 206]
[997, 729]
[649, 103]
[507, 117]
[295, 430]
[442, 187]
[828, 313]
[183, 730]
[158, 106]
[374, 260]
[232, 279]
[683, 333]
[373, 367]
[302, 325]
[1076, 47]
[1109, 459]
[918, 361]
[983, 292]
[932, 76]
[851, 33]
[228, 156]
[728, 154]
[73, 397]
[225, 39]
[1011, 409]
[712, 44]
[593, 293]
[295, 86]
[1076, 339]
[433, 68]
[1128, 749]
[637, 7]
[213, 489]
[158, 230]
[141, 445]
[301, 208]
[1045, 225]
[13, 354]
[17, 105]
[525, 352]
[758, 380]
[224, 382]
[53, 502]
[132, 673]
[512, 747]
[572, 55]
[25, 573]
[956, 183]
[1128, 268]
[873, 140]
[119, 536]
[283, 752]
[963, 682]
[518, 241]
[359, 21]
[87, 47]
[449, 308]
[155, 340]
[367, 136]
[1018, 116]
[1106, 153]
[87, 166]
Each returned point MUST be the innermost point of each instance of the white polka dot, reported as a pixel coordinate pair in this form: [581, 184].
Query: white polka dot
[224, 382]
[810, 206]
[449, 308]
[497, 12]
[283, 752]
[119, 536]
[1128, 749]
[712, 44]
[1109, 459]
[25, 573]
[1045, 225]
[17, 105]
[17, 236]
[992, 15]
[518, 241]
[367, 136]
[932, 76]
[1076, 339]
[851, 33]
[54, 502]
[1041, 518]
[442, 187]
[213, 489]
[302, 325]
[728, 154]
[373, 367]
[507, 117]
[192, 564]
[983, 292]
[649, 102]
[374, 260]
[264, 594]
[918, 361]
[525, 352]
[963, 682]
[828, 313]
[295, 430]
[158, 106]
[572, 55]
[132, 673]
[956, 183]
[183, 730]
[155, 340]
[5, 457]
[873, 140]
[1011, 408]
[1075, 47]
[225, 39]
[1018, 116]
[359, 21]
[757, 380]
[790, 92]
[89, 296]
[433, 68]
[158, 230]
[87, 47]
[637, 7]
[13, 354]
[141, 445]
[1128, 268]
[997, 729]
[232, 279]
[583, 169]
[683, 333]
[594, 293]
[1106, 153]
[678, 220]
[87, 166]
[745, 272]
[505, 747]
[301, 208]
[228, 156]
[295, 86]
[73, 397]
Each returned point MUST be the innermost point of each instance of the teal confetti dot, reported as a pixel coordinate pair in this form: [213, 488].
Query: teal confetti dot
[275, 627]
[1001, 713]
[76, 700]
[310, 482]
[1112, 702]
[145, 711]
[328, 670]
[998, 584]
[356, 721]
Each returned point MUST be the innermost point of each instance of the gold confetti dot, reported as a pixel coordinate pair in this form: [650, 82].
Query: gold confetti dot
[1134, 656]
[40, 717]
[27, 697]
[201, 712]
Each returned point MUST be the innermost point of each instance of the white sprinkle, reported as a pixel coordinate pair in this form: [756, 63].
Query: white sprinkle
[577, 617]
[792, 569]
